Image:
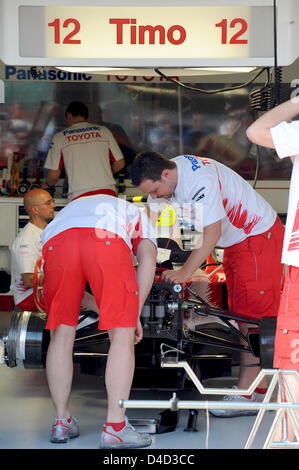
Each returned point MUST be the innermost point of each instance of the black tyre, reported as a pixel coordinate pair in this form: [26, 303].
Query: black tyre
[27, 341]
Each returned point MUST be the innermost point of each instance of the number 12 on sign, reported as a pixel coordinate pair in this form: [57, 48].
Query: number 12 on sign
[69, 38]
[236, 38]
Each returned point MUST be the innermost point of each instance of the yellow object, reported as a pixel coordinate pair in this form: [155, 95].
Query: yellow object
[167, 217]
[137, 198]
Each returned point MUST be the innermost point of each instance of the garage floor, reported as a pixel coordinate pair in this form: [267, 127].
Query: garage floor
[26, 414]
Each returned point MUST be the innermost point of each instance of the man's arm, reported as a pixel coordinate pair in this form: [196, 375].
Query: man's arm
[53, 177]
[26, 250]
[146, 256]
[116, 157]
[117, 165]
[259, 132]
[211, 235]
[145, 272]
[28, 279]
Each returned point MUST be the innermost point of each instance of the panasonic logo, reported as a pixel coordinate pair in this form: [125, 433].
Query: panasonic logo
[17, 73]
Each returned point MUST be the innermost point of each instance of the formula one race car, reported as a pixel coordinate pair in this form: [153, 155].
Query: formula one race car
[190, 322]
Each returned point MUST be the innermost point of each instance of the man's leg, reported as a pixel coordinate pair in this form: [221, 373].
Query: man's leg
[249, 266]
[286, 352]
[293, 383]
[59, 368]
[249, 372]
[119, 371]
[117, 432]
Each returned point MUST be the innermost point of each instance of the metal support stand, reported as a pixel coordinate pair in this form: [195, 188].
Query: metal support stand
[282, 418]
[287, 411]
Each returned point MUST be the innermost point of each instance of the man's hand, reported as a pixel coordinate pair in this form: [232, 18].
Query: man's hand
[28, 279]
[138, 332]
[211, 235]
[174, 276]
[40, 279]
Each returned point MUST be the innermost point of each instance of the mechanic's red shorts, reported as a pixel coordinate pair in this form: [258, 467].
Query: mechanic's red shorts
[104, 260]
[254, 274]
[28, 304]
[286, 349]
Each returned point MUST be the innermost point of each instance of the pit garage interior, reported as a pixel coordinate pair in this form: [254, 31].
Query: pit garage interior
[199, 104]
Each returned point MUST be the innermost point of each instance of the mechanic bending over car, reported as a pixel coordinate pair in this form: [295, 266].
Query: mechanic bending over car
[27, 249]
[275, 129]
[92, 239]
[234, 216]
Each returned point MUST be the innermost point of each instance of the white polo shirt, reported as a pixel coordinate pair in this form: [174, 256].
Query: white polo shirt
[110, 213]
[223, 195]
[26, 250]
[86, 150]
[286, 140]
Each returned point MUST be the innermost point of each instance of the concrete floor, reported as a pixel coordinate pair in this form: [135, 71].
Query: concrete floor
[26, 414]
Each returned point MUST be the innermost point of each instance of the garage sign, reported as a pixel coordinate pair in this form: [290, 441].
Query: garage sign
[133, 32]
[147, 33]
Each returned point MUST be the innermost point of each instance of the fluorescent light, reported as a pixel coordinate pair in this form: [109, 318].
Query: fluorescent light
[222, 69]
[179, 71]
[93, 69]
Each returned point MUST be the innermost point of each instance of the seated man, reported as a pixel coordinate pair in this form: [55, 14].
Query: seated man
[27, 247]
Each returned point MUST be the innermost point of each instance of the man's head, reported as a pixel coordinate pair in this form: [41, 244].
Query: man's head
[76, 111]
[154, 174]
[40, 206]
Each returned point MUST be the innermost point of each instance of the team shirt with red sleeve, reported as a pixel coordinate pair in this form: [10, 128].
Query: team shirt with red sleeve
[115, 215]
[26, 250]
[223, 195]
[86, 150]
[286, 140]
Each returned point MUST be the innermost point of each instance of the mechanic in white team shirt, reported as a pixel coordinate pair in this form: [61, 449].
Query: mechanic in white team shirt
[92, 239]
[89, 153]
[276, 129]
[234, 216]
[27, 247]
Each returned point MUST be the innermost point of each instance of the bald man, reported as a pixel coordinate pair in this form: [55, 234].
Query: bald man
[27, 248]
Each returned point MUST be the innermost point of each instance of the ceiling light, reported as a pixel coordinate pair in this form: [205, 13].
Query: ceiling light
[222, 69]
[94, 69]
